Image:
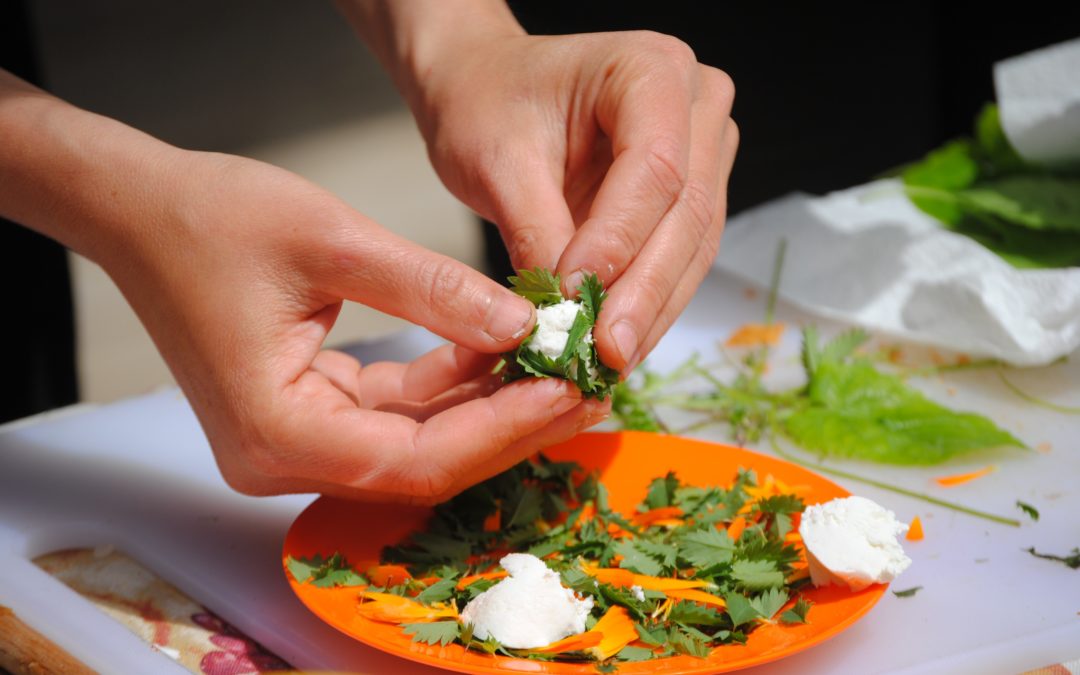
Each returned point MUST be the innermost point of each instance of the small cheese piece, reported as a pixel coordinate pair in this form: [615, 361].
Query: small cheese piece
[530, 608]
[852, 542]
[553, 328]
[638, 592]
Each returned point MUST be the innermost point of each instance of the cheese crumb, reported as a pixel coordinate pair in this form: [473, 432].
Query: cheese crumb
[638, 593]
[853, 542]
[553, 328]
[530, 608]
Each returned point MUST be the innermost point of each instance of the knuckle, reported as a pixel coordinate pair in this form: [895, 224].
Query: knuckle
[732, 133]
[672, 49]
[617, 246]
[663, 160]
[443, 280]
[523, 243]
[700, 203]
[720, 83]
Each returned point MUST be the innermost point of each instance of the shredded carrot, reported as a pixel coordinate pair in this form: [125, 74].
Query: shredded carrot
[617, 630]
[736, 528]
[756, 334]
[390, 608]
[465, 582]
[625, 578]
[658, 516]
[388, 575]
[697, 596]
[915, 531]
[613, 575]
[574, 643]
[961, 478]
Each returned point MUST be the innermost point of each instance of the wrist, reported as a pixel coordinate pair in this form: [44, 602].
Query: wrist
[90, 182]
[411, 39]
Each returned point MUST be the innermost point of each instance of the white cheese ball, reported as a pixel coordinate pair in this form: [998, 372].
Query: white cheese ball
[553, 327]
[852, 542]
[530, 608]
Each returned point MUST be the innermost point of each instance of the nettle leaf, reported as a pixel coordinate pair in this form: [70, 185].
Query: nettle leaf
[998, 155]
[434, 632]
[756, 575]
[662, 491]
[693, 614]
[637, 560]
[1039, 202]
[631, 654]
[664, 553]
[844, 345]
[591, 295]
[797, 614]
[786, 503]
[706, 548]
[932, 183]
[539, 286]
[536, 364]
[856, 411]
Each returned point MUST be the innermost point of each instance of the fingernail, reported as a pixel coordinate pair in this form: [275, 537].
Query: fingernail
[625, 337]
[573, 281]
[509, 318]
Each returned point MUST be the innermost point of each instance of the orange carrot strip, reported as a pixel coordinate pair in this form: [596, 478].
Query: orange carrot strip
[617, 630]
[625, 578]
[736, 528]
[388, 575]
[755, 334]
[961, 478]
[493, 523]
[574, 643]
[464, 582]
[390, 608]
[652, 516]
[915, 531]
[696, 596]
[613, 576]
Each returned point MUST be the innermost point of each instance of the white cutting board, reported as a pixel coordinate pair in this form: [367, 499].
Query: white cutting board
[139, 475]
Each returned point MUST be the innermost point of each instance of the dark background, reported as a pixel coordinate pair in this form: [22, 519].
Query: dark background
[827, 97]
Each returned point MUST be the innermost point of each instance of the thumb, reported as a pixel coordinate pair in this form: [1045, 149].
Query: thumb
[447, 297]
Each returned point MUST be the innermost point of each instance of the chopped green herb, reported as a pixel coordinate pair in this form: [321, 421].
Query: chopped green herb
[433, 633]
[907, 593]
[1071, 561]
[797, 614]
[1030, 510]
[324, 572]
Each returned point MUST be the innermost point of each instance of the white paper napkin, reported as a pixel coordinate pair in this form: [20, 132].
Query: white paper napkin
[867, 256]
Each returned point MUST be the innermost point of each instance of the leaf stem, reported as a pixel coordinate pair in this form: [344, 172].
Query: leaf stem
[1034, 400]
[1012, 522]
[774, 284]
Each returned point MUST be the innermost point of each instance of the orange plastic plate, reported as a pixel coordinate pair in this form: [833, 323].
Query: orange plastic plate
[627, 462]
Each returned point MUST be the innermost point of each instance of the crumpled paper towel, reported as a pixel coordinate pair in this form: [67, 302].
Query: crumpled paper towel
[867, 256]
[1039, 101]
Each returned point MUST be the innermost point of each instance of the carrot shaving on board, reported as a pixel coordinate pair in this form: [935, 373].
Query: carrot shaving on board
[756, 334]
[961, 478]
[915, 531]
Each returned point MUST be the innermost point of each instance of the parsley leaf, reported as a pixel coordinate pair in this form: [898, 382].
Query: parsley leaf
[324, 572]
[538, 286]
[1030, 510]
[756, 575]
[434, 632]
[797, 614]
[769, 603]
[907, 593]
[1072, 560]
[637, 560]
[706, 547]
[739, 609]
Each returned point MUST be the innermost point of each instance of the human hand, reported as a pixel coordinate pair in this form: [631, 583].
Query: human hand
[603, 152]
[238, 270]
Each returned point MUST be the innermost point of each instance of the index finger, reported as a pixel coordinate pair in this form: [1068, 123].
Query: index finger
[644, 108]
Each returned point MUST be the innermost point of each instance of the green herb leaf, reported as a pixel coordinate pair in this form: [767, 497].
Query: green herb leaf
[756, 575]
[433, 633]
[769, 602]
[693, 614]
[797, 614]
[706, 548]
[662, 491]
[636, 560]
[907, 593]
[437, 592]
[631, 653]
[324, 572]
[538, 286]
[739, 609]
[1030, 510]
[1071, 561]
